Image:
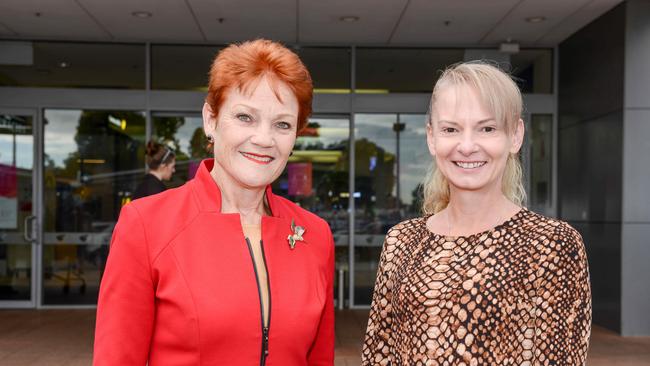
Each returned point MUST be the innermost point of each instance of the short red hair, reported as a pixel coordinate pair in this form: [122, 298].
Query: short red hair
[243, 65]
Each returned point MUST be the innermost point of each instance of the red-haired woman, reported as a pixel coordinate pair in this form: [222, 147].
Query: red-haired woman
[221, 271]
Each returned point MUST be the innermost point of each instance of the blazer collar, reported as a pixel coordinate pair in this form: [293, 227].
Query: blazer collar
[209, 194]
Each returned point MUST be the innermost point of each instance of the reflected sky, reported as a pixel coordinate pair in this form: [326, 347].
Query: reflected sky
[331, 131]
[16, 141]
[60, 129]
[414, 155]
[185, 132]
[24, 146]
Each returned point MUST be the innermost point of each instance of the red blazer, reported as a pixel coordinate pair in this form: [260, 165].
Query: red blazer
[180, 286]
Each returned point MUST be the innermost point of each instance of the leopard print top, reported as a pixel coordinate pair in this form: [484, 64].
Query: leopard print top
[517, 294]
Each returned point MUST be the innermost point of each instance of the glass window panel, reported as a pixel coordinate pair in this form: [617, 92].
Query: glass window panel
[329, 68]
[181, 67]
[399, 70]
[184, 134]
[541, 162]
[534, 70]
[376, 204]
[414, 161]
[93, 160]
[16, 168]
[317, 178]
[80, 65]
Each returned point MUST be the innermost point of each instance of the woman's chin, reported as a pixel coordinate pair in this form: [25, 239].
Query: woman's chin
[469, 185]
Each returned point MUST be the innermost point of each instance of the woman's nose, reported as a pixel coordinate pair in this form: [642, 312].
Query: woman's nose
[467, 144]
[263, 135]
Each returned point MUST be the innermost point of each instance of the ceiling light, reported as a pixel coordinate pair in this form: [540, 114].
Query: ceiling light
[537, 19]
[141, 14]
[64, 65]
[349, 18]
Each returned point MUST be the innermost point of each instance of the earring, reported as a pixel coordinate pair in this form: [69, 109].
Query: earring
[209, 138]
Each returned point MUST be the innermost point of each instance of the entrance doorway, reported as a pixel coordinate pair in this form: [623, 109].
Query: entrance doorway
[18, 211]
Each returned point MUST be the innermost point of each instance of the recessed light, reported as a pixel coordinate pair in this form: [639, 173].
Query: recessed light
[349, 18]
[537, 19]
[141, 14]
[64, 65]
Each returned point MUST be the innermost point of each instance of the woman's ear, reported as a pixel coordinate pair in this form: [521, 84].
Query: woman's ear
[431, 142]
[209, 120]
[517, 137]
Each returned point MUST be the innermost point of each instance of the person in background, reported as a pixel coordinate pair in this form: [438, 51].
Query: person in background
[479, 279]
[221, 271]
[161, 161]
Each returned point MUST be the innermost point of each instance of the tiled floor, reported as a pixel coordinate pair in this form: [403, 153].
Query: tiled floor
[65, 337]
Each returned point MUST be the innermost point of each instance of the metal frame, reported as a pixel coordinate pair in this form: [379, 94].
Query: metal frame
[36, 207]
[152, 102]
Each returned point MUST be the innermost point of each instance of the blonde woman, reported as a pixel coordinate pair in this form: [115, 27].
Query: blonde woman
[479, 279]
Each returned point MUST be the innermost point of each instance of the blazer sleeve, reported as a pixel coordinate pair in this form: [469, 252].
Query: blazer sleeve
[321, 352]
[125, 309]
[562, 285]
[376, 347]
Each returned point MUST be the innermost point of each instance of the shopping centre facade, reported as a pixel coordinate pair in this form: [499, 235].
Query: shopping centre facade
[75, 115]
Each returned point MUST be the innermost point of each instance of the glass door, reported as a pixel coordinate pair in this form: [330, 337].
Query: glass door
[92, 162]
[18, 233]
[391, 161]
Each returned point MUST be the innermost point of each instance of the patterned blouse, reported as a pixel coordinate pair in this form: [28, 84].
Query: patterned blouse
[517, 294]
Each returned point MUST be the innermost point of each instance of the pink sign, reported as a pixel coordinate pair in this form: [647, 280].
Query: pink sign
[300, 179]
[8, 181]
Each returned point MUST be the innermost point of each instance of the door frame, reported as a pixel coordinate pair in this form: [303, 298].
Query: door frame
[36, 209]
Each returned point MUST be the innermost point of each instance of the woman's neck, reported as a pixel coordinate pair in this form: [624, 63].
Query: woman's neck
[470, 212]
[157, 173]
[247, 202]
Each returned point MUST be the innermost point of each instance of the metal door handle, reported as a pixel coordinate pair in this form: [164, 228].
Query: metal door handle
[28, 228]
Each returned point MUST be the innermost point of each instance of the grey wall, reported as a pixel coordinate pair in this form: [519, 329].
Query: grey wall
[635, 299]
[604, 159]
[590, 150]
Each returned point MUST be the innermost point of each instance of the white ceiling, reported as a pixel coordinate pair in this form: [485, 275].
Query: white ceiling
[381, 22]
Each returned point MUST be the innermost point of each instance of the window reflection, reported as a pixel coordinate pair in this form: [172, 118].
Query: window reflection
[414, 161]
[317, 178]
[92, 162]
[390, 164]
[16, 172]
[376, 205]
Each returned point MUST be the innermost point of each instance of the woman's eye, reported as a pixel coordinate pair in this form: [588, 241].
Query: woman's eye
[448, 130]
[284, 125]
[489, 129]
[244, 117]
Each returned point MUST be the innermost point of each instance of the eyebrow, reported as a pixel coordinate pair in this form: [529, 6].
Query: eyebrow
[282, 114]
[479, 122]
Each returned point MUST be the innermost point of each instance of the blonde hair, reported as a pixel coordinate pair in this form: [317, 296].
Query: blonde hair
[501, 96]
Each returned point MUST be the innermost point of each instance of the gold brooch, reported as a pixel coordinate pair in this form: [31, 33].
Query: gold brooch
[297, 234]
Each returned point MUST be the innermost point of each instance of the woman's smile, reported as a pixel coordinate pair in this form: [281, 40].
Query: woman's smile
[469, 165]
[257, 158]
